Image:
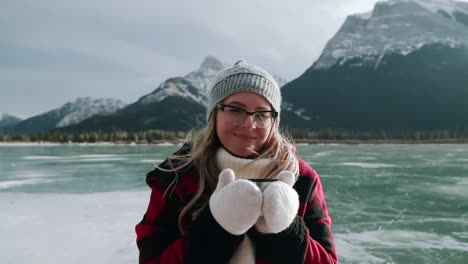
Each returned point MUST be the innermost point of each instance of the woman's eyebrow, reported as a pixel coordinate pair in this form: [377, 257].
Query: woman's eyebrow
[239, 104]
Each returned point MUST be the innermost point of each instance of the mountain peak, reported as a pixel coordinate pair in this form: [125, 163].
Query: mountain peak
[397, 26]
[211, 62]
[435, 6]
[205, 75]
[6, 115]
[438, 7]
[7, 120]
[193, 86]
[81, 100]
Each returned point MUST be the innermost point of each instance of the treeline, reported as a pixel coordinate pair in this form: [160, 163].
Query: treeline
[435, 135]
[150, 136]
[299, 135]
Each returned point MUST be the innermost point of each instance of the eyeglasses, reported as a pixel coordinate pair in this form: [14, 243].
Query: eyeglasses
[261, 119]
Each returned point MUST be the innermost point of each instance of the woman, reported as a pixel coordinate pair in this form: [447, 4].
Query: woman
[206, 205]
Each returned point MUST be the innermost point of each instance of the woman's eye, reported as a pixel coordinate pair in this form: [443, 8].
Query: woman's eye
[234, 110]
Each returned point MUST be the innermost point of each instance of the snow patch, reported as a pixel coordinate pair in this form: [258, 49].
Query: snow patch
[174, 88]
[298, 111]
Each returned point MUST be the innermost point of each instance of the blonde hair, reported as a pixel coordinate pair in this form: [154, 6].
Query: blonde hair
[204, 145]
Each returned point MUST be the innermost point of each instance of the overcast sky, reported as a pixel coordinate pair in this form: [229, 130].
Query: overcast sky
[52, 52]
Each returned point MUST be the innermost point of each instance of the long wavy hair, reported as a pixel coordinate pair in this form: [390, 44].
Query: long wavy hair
[204, 145]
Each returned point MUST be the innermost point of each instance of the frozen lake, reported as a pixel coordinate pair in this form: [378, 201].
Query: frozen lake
[80, 203]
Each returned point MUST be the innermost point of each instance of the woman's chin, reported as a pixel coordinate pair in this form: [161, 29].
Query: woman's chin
[244, 152]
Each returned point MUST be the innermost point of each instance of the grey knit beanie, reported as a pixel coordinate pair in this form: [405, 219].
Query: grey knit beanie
[244, 77]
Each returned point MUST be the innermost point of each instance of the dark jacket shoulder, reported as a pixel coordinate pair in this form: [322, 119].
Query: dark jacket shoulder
[159, 174]
[306, 170]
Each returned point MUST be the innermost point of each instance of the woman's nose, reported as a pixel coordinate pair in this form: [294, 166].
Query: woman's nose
[249, 122]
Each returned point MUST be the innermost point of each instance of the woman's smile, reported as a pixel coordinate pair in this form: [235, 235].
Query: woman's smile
[245, 137]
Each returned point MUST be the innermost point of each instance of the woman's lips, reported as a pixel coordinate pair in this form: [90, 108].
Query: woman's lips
[245, 137]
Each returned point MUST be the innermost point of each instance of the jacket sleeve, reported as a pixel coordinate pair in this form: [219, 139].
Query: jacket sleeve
[320, 246]
[158, 237]
[309, 239]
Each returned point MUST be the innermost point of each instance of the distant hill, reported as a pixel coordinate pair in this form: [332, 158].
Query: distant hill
[7, 120]
[172, 113]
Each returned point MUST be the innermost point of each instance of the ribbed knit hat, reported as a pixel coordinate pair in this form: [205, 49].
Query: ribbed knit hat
[244, 77]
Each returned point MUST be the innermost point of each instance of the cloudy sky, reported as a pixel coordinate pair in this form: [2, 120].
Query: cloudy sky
[52, 51]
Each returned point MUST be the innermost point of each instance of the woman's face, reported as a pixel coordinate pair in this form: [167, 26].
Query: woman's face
[243, 139]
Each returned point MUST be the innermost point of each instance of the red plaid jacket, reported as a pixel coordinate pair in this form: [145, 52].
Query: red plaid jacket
[309, 239]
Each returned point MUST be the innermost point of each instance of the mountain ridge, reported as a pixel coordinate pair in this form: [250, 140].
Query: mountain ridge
[179, 103]
[68, 114]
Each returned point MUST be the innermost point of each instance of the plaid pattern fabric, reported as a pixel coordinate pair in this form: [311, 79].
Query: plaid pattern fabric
[309, 239]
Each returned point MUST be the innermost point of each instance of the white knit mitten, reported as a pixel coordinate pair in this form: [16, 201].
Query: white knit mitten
[280, 205]
[235, 204]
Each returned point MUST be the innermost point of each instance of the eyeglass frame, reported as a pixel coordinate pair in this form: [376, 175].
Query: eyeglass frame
[247, 113]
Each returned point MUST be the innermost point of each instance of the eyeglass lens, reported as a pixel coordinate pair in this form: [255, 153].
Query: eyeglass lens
[238, 116]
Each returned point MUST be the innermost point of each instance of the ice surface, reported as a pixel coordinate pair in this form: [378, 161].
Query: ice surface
[15, 183]
[413, 212]
[99, 228]
[368, 165]
[359, 247]
[70, 228]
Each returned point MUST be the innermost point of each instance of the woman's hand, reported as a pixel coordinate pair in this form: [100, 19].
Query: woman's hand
[280, 205]
[235, 204]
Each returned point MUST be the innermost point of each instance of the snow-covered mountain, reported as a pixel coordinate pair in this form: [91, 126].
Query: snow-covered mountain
[70, 113]
[397, 26]
[83, 108]
[193, 86]
[179, 103]
[401, 67]
[176, 104]
[7, 120]
[206, 74]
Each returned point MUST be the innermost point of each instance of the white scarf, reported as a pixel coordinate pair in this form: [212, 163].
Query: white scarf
[244, 169]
